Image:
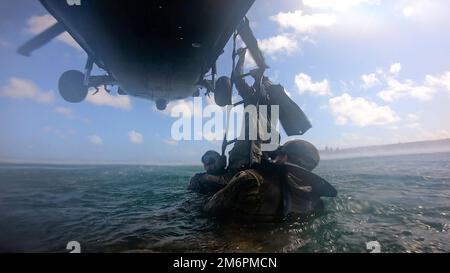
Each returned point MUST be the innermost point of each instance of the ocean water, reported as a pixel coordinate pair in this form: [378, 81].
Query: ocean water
[402, 202]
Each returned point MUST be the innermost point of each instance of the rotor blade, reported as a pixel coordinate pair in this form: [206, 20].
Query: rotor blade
[41, 39]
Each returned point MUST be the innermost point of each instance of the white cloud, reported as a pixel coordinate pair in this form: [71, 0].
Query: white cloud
[425, 10]
[304, 84]
[185, 106]
[283, 43]
[360, 111]
[135, 137]
[309, 39]
[95, 139]
[302, 23]
[370, 80]
[395, 68]
[397, 89]
[409, 11]
[25, 89]
[105, 99]
[337, 5]
[440, 81]
[69, 114]
[37, 24]
[312, 16]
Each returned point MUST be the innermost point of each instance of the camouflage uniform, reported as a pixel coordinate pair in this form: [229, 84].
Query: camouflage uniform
[251, 195]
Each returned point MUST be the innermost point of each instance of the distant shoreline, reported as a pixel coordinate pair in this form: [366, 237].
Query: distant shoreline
[191, 165]
[94, 164]
[409, 148]
[384, 155]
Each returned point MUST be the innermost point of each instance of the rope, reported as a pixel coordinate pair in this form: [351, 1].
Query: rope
[233, 58]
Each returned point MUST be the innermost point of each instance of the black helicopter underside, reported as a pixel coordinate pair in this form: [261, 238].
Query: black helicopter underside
[146, 44]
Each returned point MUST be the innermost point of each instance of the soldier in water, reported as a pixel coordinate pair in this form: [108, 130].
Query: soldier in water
[245, 189]
[245, 152]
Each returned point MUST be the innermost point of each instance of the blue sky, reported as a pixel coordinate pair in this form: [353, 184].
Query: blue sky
[366, 72]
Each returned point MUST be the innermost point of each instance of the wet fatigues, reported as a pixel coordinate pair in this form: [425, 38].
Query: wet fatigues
[263, 194]
[251, 195]
[245, 152]
[255, 192]
[209, 184]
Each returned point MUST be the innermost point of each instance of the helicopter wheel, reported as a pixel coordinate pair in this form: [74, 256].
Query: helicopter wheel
[71, 86]
[161, 104]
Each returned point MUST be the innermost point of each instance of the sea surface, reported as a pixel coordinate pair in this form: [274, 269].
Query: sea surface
[402, 202]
